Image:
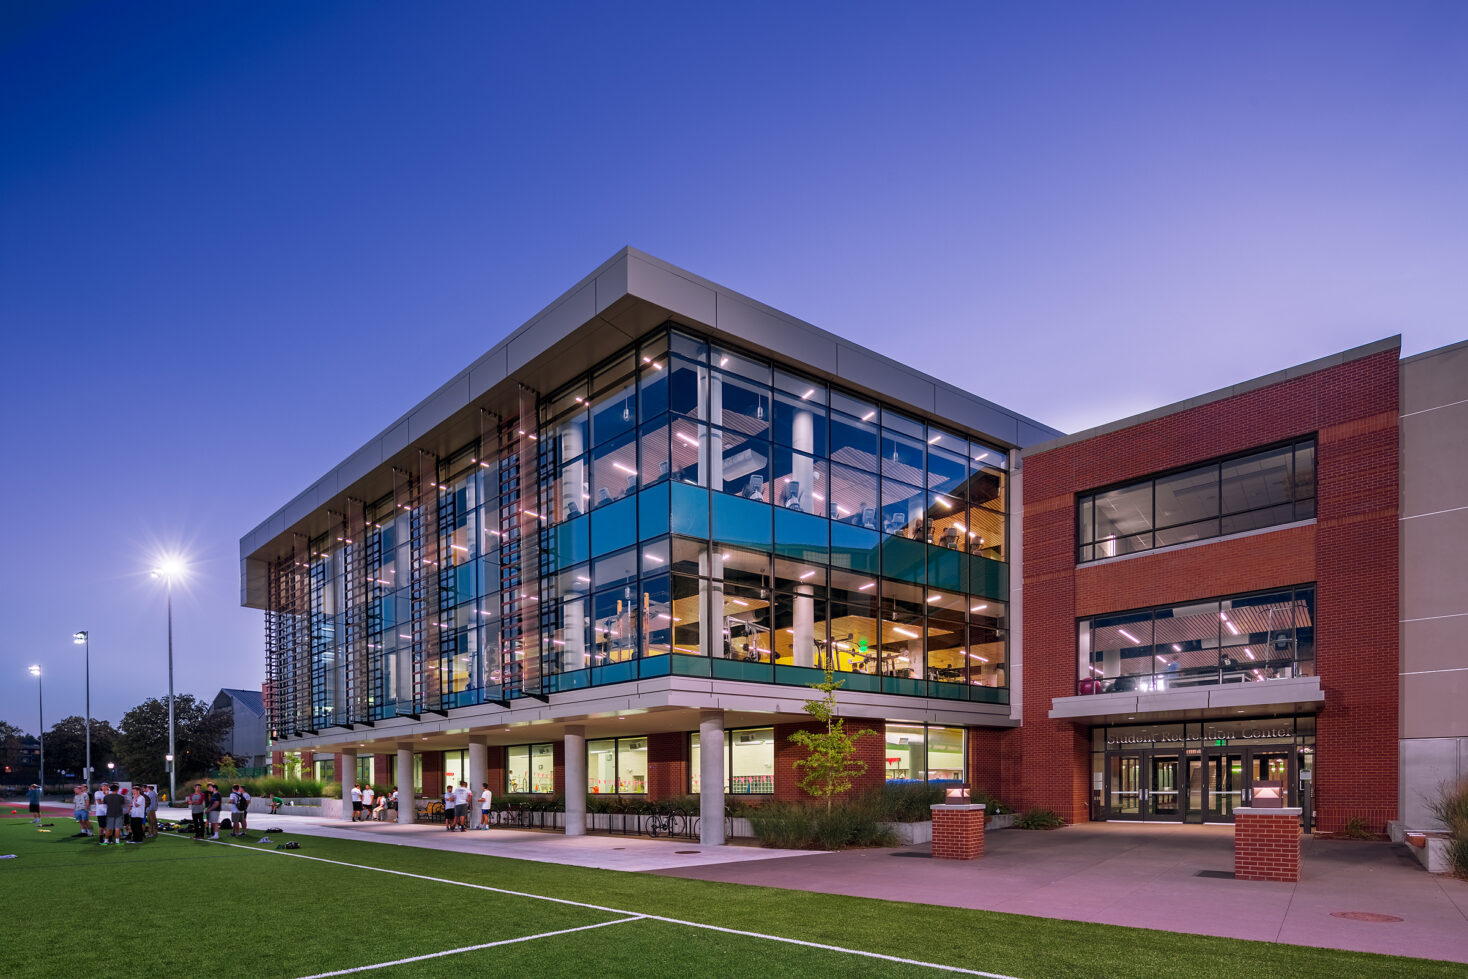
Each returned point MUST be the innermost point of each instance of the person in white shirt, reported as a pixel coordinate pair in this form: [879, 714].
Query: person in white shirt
[137, 814]
[356, 803]
[368, 797]
[99, 810]
[486, 799]
[448, 807]
[239, 804]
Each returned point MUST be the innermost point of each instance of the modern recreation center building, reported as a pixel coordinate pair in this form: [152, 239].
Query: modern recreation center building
[610, 556]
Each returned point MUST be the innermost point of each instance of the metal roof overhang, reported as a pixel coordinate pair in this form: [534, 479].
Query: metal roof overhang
[1296, 695]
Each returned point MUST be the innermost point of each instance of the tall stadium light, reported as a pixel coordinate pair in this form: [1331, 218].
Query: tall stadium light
[84, 638]
[171, 569]
[41, 716]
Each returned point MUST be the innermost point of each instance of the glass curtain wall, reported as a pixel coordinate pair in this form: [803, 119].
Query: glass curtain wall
[1240, 639]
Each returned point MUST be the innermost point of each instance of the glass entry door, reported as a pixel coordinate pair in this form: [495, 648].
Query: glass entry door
[1144, 785]
[1231, 774]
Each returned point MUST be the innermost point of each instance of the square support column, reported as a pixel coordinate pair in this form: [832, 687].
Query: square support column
[711, 777]
[958, 832]
[575, 755]
[407, 793]
[347, 775]
[1267, 844]
[478, 774]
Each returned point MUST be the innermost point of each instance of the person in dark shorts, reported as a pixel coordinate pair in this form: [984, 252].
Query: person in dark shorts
[33, 802]
[115, 805]
[197, 802]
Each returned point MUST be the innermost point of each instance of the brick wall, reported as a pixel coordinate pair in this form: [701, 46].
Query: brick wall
[667, 765]
[277, 764]
[433, 768]
[558, 768]
[494, 770]
[1267, 846]
[1350, 552]
[870, 749]
[958, 834]
[382, 768]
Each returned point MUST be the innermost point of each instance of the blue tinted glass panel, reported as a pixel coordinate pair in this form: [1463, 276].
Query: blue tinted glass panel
[744, 522]
[988, 578]
[569, 543]
[801, 536]
[906, 560]
[652, 512]
[614, 527]
[947, 569]
[689, 510]
[854, 548]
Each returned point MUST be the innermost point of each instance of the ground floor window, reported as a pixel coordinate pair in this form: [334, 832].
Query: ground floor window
[919, 753]
[364, 769]
[455, 767]
[325, 770]
[616, 765]
[530, 768]
[749, 761]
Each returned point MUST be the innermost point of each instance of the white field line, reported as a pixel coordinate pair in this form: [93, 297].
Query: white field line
[469, 948]
[631, 915]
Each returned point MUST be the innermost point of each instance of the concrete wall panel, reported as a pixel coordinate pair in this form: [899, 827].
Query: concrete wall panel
[1426, 764]
[1435, 565]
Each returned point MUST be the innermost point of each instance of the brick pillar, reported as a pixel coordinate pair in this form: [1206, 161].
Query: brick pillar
[1266, 844]
[667, 765]
[308, 765]
[558, 768]
[433, 783]
[870, 749]
[277, 764]
[958, 832]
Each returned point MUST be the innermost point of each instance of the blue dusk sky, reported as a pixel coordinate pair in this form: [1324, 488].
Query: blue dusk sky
[238, 239]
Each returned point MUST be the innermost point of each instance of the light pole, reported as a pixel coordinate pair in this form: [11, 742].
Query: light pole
[84, 639]
[41, 712]
[170, 569]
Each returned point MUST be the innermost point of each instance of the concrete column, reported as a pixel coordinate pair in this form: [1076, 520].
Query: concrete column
[711, 777]
[407, 791]
[347, 775]
[575, 749]
[478, 773]
[803, 640]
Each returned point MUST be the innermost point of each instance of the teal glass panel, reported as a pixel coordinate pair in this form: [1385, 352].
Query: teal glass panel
[947, 569]
[947, 691]
[614, 673]
[689, 665]
[854, 548]
[733, 669]
[464, 582]
[654, 666]
[569, 543]
[574, 680]
[689, 510]
[614, 527]
[802, 676]
[989, 695]
[906, 687]
[988, 578]
[741, 522]
[905, 560]
[652, 512]
[802, 536]
[865, 682]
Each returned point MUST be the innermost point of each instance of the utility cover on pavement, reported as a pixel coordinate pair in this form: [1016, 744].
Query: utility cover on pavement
[1364, 916]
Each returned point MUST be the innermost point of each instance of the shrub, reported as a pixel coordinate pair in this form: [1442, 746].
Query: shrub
[992, 805]
[1451, 807]
[852, 821]
[287, 788]
[1356, 829]
[1038, 819]
[907, 803]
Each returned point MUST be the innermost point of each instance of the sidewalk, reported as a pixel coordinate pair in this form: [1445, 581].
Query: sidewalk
[600, 851]
[1127, 874]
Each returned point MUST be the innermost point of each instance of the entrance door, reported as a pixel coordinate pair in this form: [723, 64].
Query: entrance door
[1225, 784]
[1163, 792]
[1124, 788]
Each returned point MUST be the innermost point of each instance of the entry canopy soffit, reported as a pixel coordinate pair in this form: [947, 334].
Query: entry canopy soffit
[627, 296]
[1296, 695]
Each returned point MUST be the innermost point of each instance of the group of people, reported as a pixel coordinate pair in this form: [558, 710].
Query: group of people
[363, 798]
[206, 810]
[133, 812]
[456, 806]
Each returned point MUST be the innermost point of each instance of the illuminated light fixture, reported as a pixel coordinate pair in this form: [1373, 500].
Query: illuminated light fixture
[626, 469]
[521, 431]
[739, 601]
[818, 496]
[652, 557]
[946, 504]
[687, 441]
[977, 608]
[723, 361]
[868, 585]
[1130, 636]
[979, 658]
[1176, 648]
[934, 439]
[582, 577]
[869, 416]
[484, 465]
[933, 598]
[904, 632]
[1231, 627]
[1161, 659]
[725, 557]
[842, 510]
[1249, 653]
[458, 547]
[981, 457]
[533, 514]
[808, 574]
[580, 401]
[533, 437]
[647, 360]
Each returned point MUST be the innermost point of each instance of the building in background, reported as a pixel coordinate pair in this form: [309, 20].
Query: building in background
[248, 740]
[647, 520]
[639, 526]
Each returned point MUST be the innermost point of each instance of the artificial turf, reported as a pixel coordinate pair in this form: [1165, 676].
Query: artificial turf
[177, 904]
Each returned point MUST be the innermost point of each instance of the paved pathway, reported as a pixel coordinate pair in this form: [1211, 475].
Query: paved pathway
[1126, 874]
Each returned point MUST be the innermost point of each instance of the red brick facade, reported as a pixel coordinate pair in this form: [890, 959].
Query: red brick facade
[667, 765]
[382, 769]
[494, 770]
[1350, 553]
[958, 832]
[1267, 846]
[870, 749]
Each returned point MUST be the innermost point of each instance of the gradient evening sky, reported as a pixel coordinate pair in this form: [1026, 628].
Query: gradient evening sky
[238, 239]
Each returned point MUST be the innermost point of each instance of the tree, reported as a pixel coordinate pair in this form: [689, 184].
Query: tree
[11, 739]
[198, 731]
[66, 744]
[832, 762]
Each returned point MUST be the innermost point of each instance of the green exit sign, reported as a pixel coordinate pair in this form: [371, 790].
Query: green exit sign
[861, 646]
[1220, 742]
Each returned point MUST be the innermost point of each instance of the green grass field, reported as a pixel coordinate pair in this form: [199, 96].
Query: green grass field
[175, 904]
